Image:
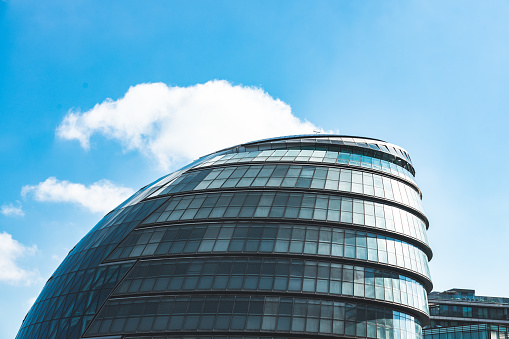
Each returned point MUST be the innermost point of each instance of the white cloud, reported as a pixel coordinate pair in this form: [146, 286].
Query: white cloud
[30, 301]
[102, 196]
[181, 123]
[11, 209]
[10, 251]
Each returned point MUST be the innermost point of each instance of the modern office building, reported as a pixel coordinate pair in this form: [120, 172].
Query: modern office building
[312, 236]
[459, 313]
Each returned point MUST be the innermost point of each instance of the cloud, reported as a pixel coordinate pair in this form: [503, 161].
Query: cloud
[102, 196]
[172, 124]
[11, 209]
[10, 251]
[30, 301]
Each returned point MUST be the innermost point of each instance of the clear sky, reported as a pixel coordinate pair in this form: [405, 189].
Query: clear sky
[99, 98]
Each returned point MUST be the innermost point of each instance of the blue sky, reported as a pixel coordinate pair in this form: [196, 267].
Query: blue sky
[430, 76]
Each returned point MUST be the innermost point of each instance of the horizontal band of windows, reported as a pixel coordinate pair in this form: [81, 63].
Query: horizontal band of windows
[346, 156]
[379, 173]
[415, 312]
[325, 166]
[270, 237]
[155, 186]
[471, 320]
[348, 144]
[251, 313]
[481, 311]
[296, 177]
[276, 275]
[460, 329]
[282, 239]
[288, 207]
[342, 195]
[220, 335]
[323, 207]
[423, 280]
[267, 221]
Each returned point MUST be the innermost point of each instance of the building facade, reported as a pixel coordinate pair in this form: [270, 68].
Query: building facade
[294, 237]
[459, 313]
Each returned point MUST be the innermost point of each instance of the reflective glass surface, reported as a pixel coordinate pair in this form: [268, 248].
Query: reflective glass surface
[355, 145]
[284, 205]
[312, 156]
[78, 288]
[271, 238]
[477, 331]
[470, 311]
[296, 176]
[213, 337]
[269, 274]
[249, 313]
[301, 237]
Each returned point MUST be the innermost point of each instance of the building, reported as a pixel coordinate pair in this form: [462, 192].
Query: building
[459, 313]
[295, 237]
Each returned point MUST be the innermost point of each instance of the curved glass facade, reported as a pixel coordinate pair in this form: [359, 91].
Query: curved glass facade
[210, 313]
[300, 177]
[304, 236]
[310, 156]
[272, 274]
[295, 240]
[287, 205]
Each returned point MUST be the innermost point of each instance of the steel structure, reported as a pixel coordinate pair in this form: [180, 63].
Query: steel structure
[296, 237]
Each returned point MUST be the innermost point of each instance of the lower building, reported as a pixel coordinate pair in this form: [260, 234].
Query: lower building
[460, 314]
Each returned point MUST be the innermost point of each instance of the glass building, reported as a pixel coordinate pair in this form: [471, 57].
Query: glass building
[295, 237]
[460, 314]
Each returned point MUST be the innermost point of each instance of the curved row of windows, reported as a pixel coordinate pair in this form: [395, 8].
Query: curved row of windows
[268, 274]
[214, 337]
[78, 287]
[282, 205]
[271, 238]
[205, 336]
[328, 142]
[297, 176]
[356, 160]
[246, 313]
[330, 157]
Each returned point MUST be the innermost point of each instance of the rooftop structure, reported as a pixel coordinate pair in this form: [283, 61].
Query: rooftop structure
[460, 313]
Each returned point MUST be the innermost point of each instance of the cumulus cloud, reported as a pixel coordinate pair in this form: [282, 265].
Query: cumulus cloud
[10, 251]
[11, 209]
[170, 123]
[102, 196]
